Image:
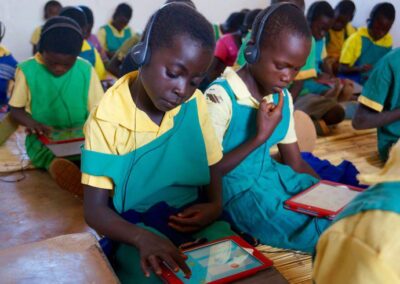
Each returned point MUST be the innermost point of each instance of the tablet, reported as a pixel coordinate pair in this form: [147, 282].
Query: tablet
[324, 199]
[222, 261]
[64, 143]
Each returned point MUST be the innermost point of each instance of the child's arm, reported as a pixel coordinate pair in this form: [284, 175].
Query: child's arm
[153, 249]
[346, 69]
[200, 215]
[366, 117]
[268, 117]
[22, 117]
[290, 154]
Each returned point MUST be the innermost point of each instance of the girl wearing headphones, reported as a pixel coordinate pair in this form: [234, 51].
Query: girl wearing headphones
[151, 142]
[249, 121]
[55, 90]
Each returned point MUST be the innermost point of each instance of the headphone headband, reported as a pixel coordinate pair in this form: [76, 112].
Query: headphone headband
[62, 25]
[140, 53]
[252, 51]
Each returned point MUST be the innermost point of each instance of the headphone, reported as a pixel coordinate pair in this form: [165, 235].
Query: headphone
[2, 30]
[140, 53]
[252, 51]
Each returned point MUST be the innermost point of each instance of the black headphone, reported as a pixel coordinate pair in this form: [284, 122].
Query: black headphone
[252, 51]
[140, 53]
[2, 30]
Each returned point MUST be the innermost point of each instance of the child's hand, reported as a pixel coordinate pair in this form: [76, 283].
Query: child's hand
[37, 128]
[195, 218]
[268, 117]
[155, 249]
[365, 68]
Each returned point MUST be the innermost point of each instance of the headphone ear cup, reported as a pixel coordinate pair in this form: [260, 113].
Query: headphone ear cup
[139, 54]
[251, 53]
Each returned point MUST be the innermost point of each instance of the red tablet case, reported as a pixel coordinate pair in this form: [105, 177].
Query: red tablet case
[316, 211]
[63, 148]
[170, 277]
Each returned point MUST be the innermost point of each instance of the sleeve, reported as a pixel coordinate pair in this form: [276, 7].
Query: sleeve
[221, 51]
[96, 91]
[351, 50]
[95, 140]
[309, 70]
[21, 94]
[36, 36]
[378, 87]
[101, 36]
[219, 107]
[99, 66]
[213, 147]
[343, 256]
[291, 136]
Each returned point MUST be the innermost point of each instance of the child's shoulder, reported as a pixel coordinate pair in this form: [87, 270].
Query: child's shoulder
[4, 51]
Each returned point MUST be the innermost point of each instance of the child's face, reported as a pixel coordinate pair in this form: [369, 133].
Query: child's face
[380, 27]
[52, 11]
[120, 22]
[57, 63]
[340, 22]
[320, 27]
[175, 72]
[280, 62]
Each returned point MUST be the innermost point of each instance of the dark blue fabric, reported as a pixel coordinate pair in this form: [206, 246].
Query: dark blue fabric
[345, 173]
[8, 64]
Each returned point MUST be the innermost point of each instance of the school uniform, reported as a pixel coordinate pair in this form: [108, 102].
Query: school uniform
[382, 93]
[217, 31]
[59, 102]
[310, 99]
[146, 164]
[90, 53]
[8, 65]
[111, 39]
[360, 49]
[362, 245]
[335, 40]
[255, 190]
[36, 35]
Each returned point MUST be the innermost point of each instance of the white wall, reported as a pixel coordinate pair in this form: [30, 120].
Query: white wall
[22, 16]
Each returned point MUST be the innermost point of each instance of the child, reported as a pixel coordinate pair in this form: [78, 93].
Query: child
[379, 103]
[55, 89]
[151, 141]
[92, 38]
[340, 31]
[363, 49]
[88, 51]
[320, 100]
[51, 9]
[7, 71]
[255, 185]
[116, 32]
[362, 245]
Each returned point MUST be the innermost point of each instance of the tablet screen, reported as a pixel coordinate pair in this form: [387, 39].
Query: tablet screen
[218, 261]
[328, 197]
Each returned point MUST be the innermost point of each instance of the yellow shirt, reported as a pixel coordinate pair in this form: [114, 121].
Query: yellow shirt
[21, 96]
[99, 65]
[363, 248]
[4, 51]
[352, 47]
[118, 127]
[220, 106]
[101, 35]
[36, 35]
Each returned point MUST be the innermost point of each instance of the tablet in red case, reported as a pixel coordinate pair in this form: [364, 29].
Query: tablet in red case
[221, 261]
[64, 143]
[325, 199]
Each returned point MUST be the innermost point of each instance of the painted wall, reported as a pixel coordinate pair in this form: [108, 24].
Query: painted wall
[22, 16]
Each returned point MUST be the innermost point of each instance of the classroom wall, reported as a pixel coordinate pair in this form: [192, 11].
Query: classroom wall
[22, 16]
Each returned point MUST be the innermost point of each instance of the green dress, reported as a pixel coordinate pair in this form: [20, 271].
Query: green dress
[255, 190]
[114, 42]
[60, 102]
[169, 169]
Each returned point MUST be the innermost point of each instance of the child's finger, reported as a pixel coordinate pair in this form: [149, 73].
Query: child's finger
[185, 221]
[182, 264]
[145, 267]
[171, 262]
[189, 212]
[155, 265]
[183, 228]
[280, 101]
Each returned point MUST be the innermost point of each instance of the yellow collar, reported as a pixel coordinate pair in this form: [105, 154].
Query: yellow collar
[119, 97]
[115, 31]
[3, 51]
[85, 46]
[386, 41]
